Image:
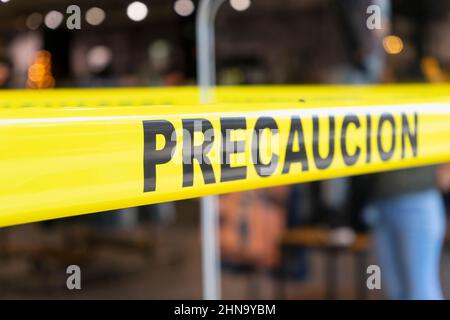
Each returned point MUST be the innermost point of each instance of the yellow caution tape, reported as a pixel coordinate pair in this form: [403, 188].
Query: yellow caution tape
[86, 157]
[332, 96]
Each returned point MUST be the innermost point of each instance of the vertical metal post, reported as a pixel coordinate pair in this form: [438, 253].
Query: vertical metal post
[206, 77]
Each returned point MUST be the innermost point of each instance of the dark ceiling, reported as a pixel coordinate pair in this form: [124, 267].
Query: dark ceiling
[14, 12]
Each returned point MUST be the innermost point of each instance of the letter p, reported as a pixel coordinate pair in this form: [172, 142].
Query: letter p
[153, 156]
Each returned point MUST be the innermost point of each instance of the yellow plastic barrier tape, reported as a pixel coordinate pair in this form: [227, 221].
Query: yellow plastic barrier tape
[319, 95]
[57, 162]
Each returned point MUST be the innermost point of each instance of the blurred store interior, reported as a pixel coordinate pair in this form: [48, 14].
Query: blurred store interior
[307, 241]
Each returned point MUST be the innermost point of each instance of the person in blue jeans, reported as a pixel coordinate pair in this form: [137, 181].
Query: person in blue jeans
[409, 231]
[405, 208]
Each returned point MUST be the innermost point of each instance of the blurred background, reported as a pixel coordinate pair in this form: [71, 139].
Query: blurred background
[308, 241]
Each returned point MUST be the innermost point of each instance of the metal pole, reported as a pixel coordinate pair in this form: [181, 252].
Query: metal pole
[206, 75]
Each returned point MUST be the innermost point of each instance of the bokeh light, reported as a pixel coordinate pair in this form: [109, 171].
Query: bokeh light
[53, 19]
[393, 44]
[95, 16]
[40, 72]
[184, 8]
[98, 58]
[34, 21]
[137, 11]
[240, 5]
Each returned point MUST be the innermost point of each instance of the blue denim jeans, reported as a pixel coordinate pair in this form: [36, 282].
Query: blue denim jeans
[409, 232]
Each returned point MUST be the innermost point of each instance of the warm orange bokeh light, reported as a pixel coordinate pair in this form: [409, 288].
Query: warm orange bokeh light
[393, 44]
[40, 72]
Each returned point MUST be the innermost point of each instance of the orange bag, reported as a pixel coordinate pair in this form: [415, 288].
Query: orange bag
[251, 225]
